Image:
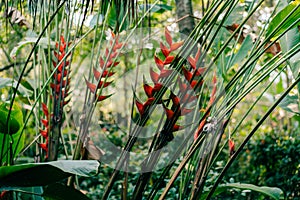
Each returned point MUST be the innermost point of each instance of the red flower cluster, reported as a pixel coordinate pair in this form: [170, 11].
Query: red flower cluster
[45, 132]
[59, 86]
[168, 58]
[231, 147]
[176, 109]
[211, 100]
[163, 72]
[106, 72]
[193, 76]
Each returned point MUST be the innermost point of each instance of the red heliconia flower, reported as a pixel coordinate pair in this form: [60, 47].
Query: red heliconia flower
[231, 147]
[117, 44]
[168, 60]
[168, 36]
[61, 81]
[214, 90]
[187, 74]
[175, 99]
[104, 84]
[101, 62]
[159, 63]
[93, 89]
[172, 47]
[110, 63]
[211, 100]
[176, 45]
[185, 111]
[104, 74]
[157, 87]
[192, 77]
[44, 146]
[45, 132]
[164, 49]
[194, 83]
[103, 97]
[200, 128]
[59, 86]
[154, 76]
[189, 98]
[148, 90]
[193, 61]
[149, 101]
[182, 86]
[170, 113]
[101, 77]
[176, 102]
[45, 122]
[45, 109]
[199, 71]
[142, 107]
[165, 73]
[5, 194]
[91, 86]
[176, 127]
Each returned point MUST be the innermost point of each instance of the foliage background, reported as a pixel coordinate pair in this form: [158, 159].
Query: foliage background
[271, 158]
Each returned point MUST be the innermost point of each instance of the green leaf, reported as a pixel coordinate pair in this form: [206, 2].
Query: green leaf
[42, 174]
[236, 16]
[115, 17]
[272, 192]
[11, 133]
[93, 20]
[8, 82]
[243, 51]
[283, 15]
[56, 191]
[29, 40]
[287, 42]
[60, 192]
[290, 103]
[157, 8]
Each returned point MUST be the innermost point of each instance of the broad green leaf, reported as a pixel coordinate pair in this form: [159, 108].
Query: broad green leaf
[60, 192]
[115, 18]
[283, 15]
[29, 40]
[287, 42]
[279, 86]
[42, 174]
[290, 104]
[56, 191]
[29, 193]
[236, 16]
[272, 192]
[92, 20]
[8, 82]
[11, 133]
[242, 52]
[158, 8]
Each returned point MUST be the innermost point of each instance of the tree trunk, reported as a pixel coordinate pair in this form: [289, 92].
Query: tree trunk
[184, 12]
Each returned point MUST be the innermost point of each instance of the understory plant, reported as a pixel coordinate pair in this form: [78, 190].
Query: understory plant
[107, 107]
